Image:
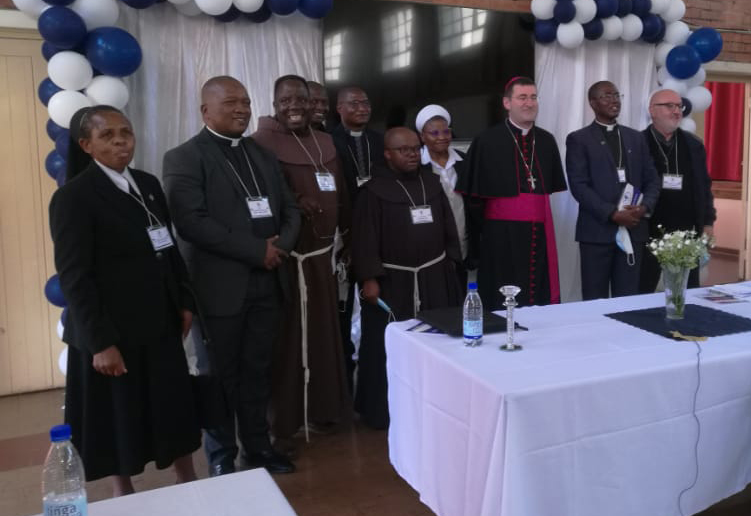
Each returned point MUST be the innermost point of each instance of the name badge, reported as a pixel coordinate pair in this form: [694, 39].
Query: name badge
[258, 207]
[160, 237]
[326, 182]
[362, 180]
[421, 215]
[672, 182]
[621, 175]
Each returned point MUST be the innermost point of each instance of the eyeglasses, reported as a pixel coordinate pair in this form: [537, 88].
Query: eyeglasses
[436, 133]
[612, 97]
[525, 98]
[406, 150]
[671, 106]
[354, 104]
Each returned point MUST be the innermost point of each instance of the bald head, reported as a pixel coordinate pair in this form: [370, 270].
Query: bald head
[666, 110]
[225, 106]
[402, 149]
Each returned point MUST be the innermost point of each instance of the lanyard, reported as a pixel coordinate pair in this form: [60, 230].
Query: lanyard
[310, 157]
[252, 174]
[149, 215]
[424, 197]
[665, 156]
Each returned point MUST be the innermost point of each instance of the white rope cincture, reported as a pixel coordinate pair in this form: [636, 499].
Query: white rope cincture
[415, 271]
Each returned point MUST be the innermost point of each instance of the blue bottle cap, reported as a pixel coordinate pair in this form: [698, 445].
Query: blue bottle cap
[60, 433]
[472, 286]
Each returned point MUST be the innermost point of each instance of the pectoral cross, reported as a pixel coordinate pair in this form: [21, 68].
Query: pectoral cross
[532, 182]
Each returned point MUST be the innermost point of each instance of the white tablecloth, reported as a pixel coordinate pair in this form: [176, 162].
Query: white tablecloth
[593, 417]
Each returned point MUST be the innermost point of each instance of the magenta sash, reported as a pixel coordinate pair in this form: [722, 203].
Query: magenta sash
[530, 208]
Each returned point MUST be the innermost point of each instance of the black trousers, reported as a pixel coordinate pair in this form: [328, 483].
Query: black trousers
[345, 327]
[650, 275]
[240, 354]
[605, 271]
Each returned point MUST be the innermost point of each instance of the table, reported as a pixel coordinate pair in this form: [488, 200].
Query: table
[239, 494]
[592, 418]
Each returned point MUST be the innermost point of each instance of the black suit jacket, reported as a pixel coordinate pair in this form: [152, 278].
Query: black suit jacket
[211, 217]
[345, 148]
[118, 289]
[593, 181]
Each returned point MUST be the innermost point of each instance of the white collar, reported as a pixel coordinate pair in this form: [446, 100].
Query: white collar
[522, 129]
[235, 141]
[609, 127]
[425, 158]
[356, 134]
[121, 180]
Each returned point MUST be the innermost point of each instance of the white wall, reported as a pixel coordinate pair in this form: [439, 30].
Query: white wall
[16, 20]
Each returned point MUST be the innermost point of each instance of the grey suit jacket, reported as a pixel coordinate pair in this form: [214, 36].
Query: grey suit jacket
[593, 181]
[211, 217]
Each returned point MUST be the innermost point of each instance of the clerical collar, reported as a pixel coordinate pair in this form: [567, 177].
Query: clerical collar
[607, 127]
[234, 142]
[522, 129]
[356, 134]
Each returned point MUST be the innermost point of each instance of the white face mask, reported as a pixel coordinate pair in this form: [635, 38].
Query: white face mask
[623, 241]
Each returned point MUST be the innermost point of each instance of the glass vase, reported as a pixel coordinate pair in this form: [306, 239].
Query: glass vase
[675, 280]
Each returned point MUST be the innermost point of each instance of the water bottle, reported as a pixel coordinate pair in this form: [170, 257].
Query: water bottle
[472, 317]
[63, 480]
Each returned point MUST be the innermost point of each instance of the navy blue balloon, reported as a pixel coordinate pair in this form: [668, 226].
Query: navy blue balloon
[59, 2]
[688, 107]
[62, 27]
[642, 7]
[707, 42]
[46, 89]
[593, 30]
[64, 316]
[315, 9]
[62, 144]
[653, 26]
[54, 130]
[54, 163]
[229, 15]
[60, 179]
[283, 6]
[49, 50]
[261, 15]
[546, 30]
[54, 293]
[139, 4]
[683, 62]
[564, 11]
[606, 8]
[624, 7]
[113, 51]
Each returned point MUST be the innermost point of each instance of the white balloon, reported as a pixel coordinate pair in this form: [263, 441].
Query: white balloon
[214, 7]
[659, 6]
[632, 27]
[34, 8]
[70, 70]
[700, 97]
[663, 74]
[189, 8]
[698, 78]
[108, 90]
[612, 28]
[675, 11]
[662, 51]
[63, 105]
[248, 6]
[570, 35]
[60, 329]
[97, 13]
[676, 85]
[677, 33]
[688, 124]
[543, 9]
[62, 361]
[585, 10]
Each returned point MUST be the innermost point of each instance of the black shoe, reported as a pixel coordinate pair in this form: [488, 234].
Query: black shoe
[273, 462]
[221, 469]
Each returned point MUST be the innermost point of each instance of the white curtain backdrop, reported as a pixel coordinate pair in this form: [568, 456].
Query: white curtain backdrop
[180, 53]
[563, 77]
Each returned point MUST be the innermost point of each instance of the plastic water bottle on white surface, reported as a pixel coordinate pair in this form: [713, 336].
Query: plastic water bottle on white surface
[63, 479]
[472, 317]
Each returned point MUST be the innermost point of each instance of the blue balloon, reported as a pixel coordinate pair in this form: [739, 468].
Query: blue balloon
[49, 50]
[231, 14]
[54, 130]
[654, 28]
[564, 11]
[546, 30]
[315, 9]
[606, 8]
[59, 2]
[283, 6]
[642, 7]
[707, 42]
[113, 51]
[46, 89]
[60, 179]
[54, 293]
[261, 15]
[139, 4]
[683, 62]
[688, 107]
[593, 30]
[62, 144]
[54, 163]
[62, 27]
[624, 7]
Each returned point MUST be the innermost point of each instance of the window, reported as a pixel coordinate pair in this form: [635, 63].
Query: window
[461, 28]
[332, 56]
[397, 40]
